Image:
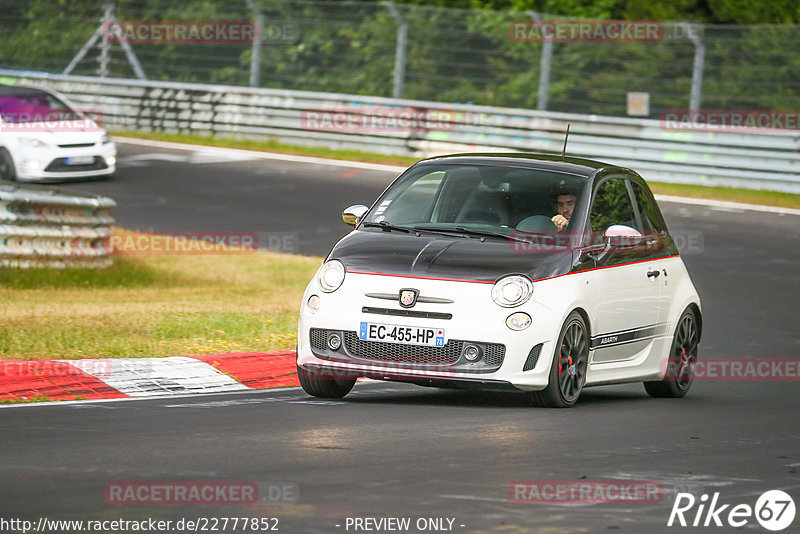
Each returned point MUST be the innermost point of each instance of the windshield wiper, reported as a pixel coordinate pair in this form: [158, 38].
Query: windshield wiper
[386, 226]
[470, 231]
[438, 230]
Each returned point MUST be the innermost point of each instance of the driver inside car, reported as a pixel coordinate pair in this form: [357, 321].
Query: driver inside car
[565, 205]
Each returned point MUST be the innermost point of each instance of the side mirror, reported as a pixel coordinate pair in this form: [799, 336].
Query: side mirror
[621, 236]
[353, 214]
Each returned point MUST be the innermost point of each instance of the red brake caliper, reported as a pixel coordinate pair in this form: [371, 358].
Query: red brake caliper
[559, 361]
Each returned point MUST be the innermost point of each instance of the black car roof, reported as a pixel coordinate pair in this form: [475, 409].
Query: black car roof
[577, 166]
[20, 90]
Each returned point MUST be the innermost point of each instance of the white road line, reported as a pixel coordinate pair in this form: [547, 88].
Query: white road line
[263, 155]
[727, 206]
[83, 403]
[155, 156]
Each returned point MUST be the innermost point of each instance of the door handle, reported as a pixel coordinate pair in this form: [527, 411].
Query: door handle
[653, 274]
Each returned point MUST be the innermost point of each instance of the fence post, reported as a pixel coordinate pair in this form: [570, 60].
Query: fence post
[697, 67]
[400, 50]
[103, 32]
[544, 67]
[105, 46]
[255, 56]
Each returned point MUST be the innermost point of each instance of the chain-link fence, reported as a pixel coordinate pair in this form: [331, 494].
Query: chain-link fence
[500, 58]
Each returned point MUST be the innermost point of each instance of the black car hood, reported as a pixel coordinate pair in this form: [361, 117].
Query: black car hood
[439, 256]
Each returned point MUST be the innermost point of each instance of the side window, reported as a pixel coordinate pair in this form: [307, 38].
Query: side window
[612, 205]
[659, 241]
[651, 219]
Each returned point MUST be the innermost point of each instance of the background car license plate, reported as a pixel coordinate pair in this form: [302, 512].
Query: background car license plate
[80, 160]
[408, 335]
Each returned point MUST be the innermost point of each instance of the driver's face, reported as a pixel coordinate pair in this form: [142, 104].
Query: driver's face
[565, 204]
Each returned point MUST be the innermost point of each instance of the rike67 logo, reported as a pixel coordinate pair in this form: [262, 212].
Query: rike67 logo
[774, 510]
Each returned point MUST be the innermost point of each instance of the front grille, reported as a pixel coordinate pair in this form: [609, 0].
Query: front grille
[533, 357]
[60, 165]
[494, 353]
[318, 338]
[407, 313]
[396, 352]
[77, 145]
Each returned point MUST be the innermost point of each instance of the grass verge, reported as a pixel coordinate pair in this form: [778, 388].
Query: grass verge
[748, 196]
[147, 306]
[731, 194]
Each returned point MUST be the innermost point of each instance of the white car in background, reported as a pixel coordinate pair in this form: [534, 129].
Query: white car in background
[45, 139]
[462, 274]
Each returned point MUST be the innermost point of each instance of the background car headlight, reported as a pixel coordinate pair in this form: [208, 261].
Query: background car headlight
[512, 291]
[33, 142]
[331, 276]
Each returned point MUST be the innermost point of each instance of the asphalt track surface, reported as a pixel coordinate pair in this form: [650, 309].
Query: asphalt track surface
[393, 450]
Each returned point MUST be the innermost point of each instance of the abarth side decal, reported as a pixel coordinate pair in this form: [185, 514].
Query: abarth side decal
[627, 336]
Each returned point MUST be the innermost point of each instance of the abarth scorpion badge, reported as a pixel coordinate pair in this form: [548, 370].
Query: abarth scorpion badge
[408, 297]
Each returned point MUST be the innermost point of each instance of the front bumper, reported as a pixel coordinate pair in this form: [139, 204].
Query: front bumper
[398, 375]
[509, 359]
[53, 164]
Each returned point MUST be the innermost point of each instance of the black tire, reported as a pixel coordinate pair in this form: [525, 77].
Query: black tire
[568, 371]
[325, 386]
[679, 374]
[7, 170]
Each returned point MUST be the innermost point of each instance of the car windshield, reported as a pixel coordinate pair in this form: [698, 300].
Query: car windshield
[29, 105]
[473, 199]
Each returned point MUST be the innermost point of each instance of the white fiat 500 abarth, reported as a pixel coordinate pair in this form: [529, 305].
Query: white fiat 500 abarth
[497, 271]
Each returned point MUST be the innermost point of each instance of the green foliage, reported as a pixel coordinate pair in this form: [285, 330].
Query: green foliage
[737, 12]
[611, 206]
[452, 55]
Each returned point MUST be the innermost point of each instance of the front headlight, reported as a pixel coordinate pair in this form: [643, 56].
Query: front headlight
[106, 139]
[512, 291]
[518, 321]
[33, 142]
[313, 303]
[331, 276]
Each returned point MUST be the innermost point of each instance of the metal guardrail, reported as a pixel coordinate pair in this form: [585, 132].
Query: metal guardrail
[768, 159]
[46, 227]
